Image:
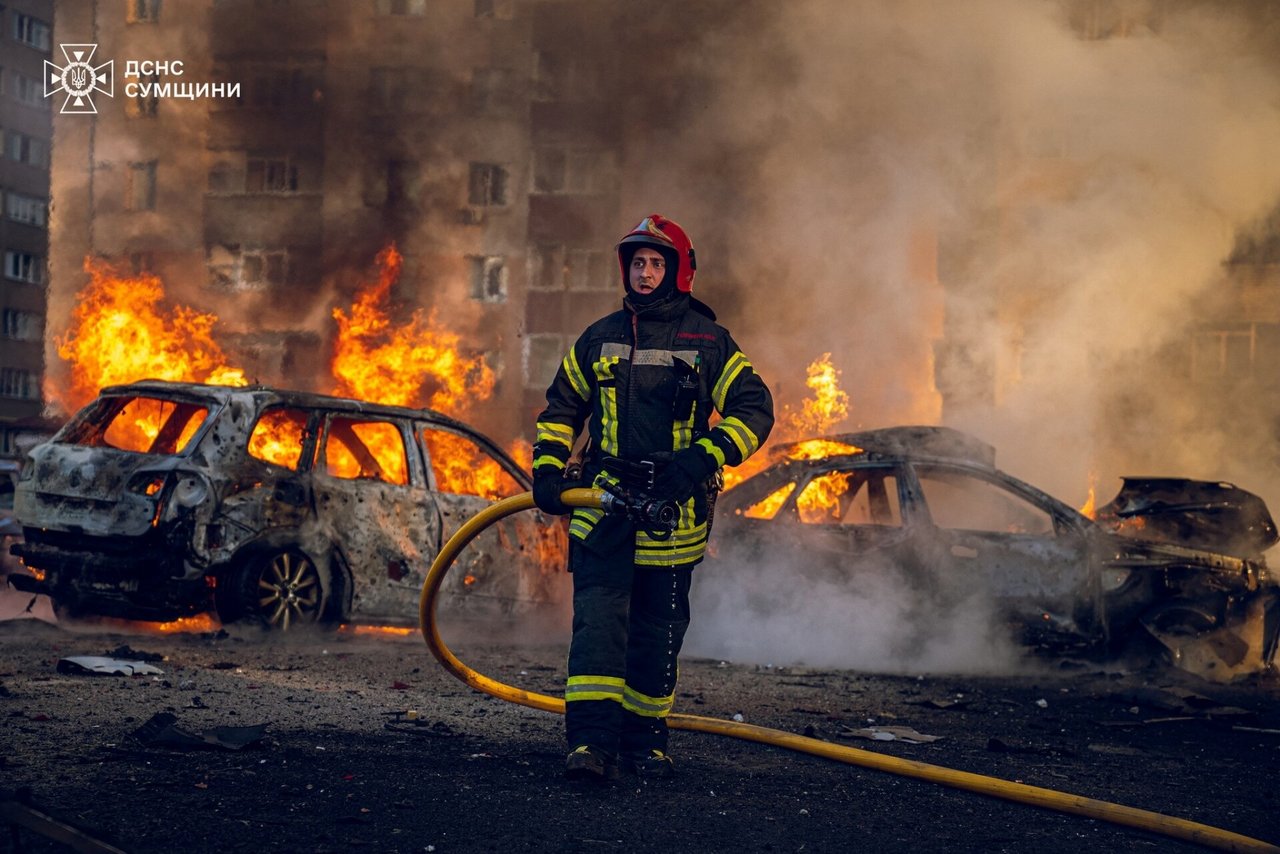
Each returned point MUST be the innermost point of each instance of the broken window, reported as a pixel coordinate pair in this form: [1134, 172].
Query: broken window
[26, 209]
[233, 268]
[26, 149]
[768, 507]
[140, 187]
[270, 175]
[461, 466]
[15, 382]
[488, 184]
[957, 501]
[144, 105]
[1227, 352]
[24, 267]
[360, 449]
[32, 32]
[279, 436]
[23, 325]
[149, 425]
[488, 278]
[143, 11]
[403, 183]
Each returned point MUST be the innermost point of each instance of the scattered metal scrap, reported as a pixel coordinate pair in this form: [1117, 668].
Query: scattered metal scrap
[101, 665]
[162, 730]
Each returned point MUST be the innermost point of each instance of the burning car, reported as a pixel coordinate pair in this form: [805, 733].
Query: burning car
[161, 500]
[1180, 561]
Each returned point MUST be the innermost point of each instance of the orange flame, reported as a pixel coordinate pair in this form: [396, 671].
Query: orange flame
[408, 363]
[826, 407]
[123, 331]
[377, 361]
[1090, 507]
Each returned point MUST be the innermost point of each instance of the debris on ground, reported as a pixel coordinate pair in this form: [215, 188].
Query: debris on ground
[101, 665]
[162, 730]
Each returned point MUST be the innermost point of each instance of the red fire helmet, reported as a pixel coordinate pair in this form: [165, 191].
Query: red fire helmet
[661, 233]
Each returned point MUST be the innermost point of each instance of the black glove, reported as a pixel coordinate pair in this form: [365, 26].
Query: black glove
[547, 486]
[687, 471]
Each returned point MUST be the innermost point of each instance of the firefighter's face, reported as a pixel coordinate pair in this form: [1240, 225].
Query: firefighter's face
[648, 268]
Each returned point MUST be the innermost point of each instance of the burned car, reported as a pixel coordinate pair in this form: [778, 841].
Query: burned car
[1177, 561]
[160, 500]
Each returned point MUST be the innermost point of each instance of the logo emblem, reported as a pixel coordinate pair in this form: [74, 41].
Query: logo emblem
[79, 79]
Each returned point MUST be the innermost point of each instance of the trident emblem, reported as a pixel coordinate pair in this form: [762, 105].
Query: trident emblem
[79, 79]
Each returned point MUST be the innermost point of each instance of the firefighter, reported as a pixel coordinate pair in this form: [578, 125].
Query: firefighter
[648, 378]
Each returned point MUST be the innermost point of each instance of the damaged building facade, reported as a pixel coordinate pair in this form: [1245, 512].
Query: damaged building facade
[503, 144]
[26, 129]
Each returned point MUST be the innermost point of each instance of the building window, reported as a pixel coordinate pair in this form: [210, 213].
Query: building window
[32, 32]
[488, 278]
[1229, 352]
[488, 185]
[140, 187]
[554, 267]
[23, 325]
[404, 183]
[559, 77]
[28, 91]
[558, 170]
[143, 11]
[28, 209]
[24, 267]
[142, 106]
[26, 149]
[236, 269]
[416, 8]
[543, 354]
[15, 382]
[270, 175]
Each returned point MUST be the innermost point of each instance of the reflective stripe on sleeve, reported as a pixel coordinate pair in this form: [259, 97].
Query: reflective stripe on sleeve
[737, 362]
[574, 373]
[551, 431]
[548, 460]
[741, 435]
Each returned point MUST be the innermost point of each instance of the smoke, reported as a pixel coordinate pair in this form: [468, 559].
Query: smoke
[1005, 216]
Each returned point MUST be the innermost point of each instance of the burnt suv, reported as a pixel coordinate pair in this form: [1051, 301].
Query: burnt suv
[924, 508]
[161, 500]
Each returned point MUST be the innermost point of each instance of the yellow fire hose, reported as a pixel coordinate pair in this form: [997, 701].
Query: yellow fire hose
[1176, 828]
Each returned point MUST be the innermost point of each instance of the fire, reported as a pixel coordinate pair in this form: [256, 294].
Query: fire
[1090, 507]
[384, 631]
[414, 363]
[379, 361]
[122, 331]
[825, 407]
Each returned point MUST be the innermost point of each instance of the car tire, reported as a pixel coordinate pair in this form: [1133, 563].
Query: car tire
[280, 590]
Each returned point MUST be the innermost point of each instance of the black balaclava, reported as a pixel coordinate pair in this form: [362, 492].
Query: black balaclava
[664, 290]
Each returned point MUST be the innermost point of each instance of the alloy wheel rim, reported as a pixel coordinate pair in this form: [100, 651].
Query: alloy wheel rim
[289, 591]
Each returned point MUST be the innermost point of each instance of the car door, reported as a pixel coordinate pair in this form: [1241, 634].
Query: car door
[372, 499]
[512, 563]
[985, 537]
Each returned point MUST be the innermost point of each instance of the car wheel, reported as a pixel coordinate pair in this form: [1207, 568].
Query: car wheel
[279, 590]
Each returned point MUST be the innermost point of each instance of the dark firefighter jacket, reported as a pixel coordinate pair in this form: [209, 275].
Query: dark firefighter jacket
[649, 379]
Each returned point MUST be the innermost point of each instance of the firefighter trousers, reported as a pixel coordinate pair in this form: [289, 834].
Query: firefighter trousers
[628, 626]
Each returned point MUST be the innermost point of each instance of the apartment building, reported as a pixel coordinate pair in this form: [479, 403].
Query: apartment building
[26, 38]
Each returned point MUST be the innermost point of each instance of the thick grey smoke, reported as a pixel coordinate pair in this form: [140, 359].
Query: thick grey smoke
[1080, 194]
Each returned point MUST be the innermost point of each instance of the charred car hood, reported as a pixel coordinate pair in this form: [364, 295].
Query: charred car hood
[1198, 514]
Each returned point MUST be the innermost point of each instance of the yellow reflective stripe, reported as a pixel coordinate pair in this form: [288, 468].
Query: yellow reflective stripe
[548, 460]
[741, 435]
[550, 431]
[594, 688]
[680, 537]
[736, 363]
[609, 420]
[576, 379]
[672, 558]
[713, 449]
[682, 431]
[643, 704]
[584, 519]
